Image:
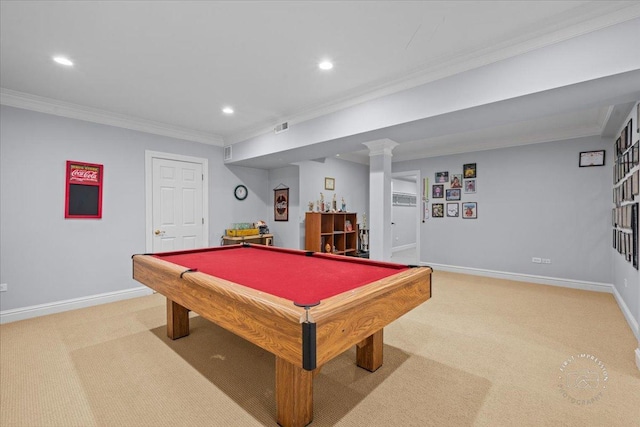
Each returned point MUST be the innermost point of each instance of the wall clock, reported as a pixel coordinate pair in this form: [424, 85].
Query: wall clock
[241, 192]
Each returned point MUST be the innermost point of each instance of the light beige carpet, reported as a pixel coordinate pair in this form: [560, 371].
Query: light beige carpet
[481, 352]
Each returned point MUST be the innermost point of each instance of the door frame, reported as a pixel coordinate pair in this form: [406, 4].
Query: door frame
[419, 201]
[148, 171]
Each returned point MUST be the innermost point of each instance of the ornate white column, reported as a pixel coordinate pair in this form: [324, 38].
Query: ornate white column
[380, 198]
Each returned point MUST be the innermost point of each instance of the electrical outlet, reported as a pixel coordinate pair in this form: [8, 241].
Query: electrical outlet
[4, 286]
[625, 283]
[546, 261]
[536, 260]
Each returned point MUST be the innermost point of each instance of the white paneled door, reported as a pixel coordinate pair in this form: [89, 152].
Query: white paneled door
[177, 205]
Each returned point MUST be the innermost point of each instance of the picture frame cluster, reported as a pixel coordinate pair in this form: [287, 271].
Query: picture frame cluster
[451, 188]
[626, 188]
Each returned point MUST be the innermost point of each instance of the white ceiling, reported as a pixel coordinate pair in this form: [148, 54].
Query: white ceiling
[170, 67]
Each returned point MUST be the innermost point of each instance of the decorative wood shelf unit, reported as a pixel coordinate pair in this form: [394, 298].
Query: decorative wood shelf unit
[333, 229]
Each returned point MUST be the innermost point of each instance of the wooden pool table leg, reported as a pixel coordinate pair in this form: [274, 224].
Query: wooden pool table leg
[369, 352]
[177, 320]
[294, 394]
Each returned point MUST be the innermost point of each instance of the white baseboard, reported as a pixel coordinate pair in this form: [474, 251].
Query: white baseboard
[403, 247]
[16, 314]
[627, 315]
[531, 278]
[638, 356]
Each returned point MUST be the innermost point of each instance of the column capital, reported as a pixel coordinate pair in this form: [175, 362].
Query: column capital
[380, 146]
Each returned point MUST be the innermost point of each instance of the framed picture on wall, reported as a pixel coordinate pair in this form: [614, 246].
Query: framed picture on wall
[453, 209]
[442, 176]
[453, 194]
[437, 210]
[470, 185]
[591, 158]
[437, 192]
[456, 181]
[469, 170]
[329, 184]
[470, 210]
[281, 204]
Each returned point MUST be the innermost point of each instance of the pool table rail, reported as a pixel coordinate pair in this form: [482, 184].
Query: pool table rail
[267, 321]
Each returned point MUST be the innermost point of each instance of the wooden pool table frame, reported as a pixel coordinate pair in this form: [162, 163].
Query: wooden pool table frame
[354, 317]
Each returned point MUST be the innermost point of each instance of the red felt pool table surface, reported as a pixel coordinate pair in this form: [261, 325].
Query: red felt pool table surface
[285, 273]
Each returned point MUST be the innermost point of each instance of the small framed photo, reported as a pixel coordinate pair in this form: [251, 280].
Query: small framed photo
[469, 170]
[453, 209]
[442, 176]
[456, 181]
[329, 183]
[437, 192]
[453, 194]
[591, 158]
[470, 210]
[470, 185]
[437, 210]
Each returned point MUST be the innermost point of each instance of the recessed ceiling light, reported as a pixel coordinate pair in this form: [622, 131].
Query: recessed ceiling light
[325, 65]
[63, 61]
[227, 110]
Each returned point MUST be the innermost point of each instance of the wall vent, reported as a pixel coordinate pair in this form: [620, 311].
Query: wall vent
[281, 127]
[227, 153]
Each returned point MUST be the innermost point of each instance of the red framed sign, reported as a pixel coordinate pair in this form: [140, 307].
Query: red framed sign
[83, 196]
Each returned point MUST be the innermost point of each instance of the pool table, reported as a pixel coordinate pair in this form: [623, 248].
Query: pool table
[304, 307]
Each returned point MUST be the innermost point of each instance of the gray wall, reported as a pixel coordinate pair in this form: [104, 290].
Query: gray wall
[45, 258]
[533, 201]
[286, 233]
[351, 182]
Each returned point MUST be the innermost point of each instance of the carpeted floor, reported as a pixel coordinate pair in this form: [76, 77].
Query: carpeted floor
[481, 352]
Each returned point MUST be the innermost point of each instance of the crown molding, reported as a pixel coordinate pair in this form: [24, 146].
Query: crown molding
[41, 104]
[606, 15]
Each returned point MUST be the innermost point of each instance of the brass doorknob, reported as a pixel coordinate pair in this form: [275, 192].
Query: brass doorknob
[158, 232]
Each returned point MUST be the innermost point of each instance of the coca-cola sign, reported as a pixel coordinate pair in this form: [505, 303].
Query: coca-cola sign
[85, 174]
[83, 194]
